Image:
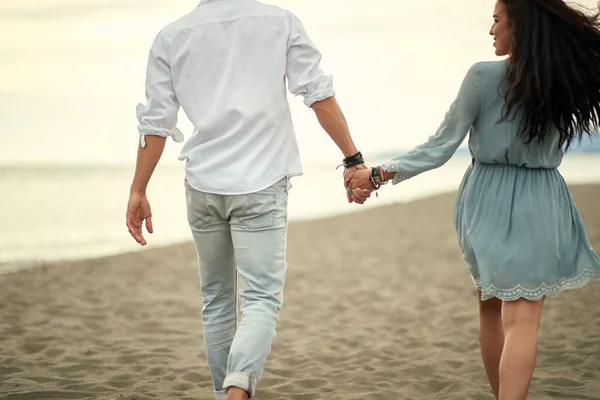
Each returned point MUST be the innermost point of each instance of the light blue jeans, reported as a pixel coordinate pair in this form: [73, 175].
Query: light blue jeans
[245, 236]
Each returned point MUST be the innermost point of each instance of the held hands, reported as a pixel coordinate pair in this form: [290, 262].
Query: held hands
[354, 167]
[138, 211]
[360, 182]
[354, 193]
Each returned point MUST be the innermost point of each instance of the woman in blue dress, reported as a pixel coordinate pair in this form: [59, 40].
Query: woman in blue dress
[519, 229]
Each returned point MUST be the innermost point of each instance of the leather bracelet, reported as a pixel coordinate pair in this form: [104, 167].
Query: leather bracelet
[380, 172]
[353, 158]
[375, 179]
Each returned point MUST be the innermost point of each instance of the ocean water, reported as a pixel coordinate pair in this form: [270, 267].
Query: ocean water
[396, 66]
[56, 213]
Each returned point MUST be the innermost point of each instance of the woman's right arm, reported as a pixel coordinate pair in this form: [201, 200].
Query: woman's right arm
[441, 146]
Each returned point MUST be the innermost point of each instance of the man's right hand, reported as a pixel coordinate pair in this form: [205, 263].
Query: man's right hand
[138, 211]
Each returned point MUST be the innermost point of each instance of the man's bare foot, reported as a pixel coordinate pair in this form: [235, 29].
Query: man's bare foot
[235, 393]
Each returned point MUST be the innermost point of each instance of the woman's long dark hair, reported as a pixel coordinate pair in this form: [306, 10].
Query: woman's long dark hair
[554, 69]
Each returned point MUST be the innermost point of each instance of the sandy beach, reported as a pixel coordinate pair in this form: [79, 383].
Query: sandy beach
[378, 305]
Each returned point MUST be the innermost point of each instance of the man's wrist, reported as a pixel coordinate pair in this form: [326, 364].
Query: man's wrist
[350, 152]
[353, 160]
[135, 190]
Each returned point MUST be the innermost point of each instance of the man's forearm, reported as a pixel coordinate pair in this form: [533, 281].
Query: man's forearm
[332, 120]
[147, 159]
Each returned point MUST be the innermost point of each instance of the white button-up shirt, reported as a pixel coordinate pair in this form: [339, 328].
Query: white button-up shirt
[226, 63]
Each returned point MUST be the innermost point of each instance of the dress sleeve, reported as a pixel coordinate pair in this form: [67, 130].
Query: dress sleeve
[440, 147]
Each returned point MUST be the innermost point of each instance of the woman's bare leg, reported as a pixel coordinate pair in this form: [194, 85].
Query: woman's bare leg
[521, 320]
[491, 339]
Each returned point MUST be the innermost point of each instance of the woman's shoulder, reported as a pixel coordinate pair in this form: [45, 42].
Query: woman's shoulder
[489, 75]
[490, 69]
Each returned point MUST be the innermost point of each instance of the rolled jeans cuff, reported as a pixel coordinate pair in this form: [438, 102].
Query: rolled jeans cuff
[220, 395]
[242, 381]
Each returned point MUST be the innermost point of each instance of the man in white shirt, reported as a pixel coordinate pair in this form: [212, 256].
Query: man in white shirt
[226, 64]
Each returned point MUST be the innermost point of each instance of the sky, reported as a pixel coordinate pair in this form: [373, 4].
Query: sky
[72, 72]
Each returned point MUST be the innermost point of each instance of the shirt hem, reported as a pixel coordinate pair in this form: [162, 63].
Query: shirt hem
[262, 187]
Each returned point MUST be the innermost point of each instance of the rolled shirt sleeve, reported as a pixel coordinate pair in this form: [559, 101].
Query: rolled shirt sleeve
[159, 116]
[303, 70]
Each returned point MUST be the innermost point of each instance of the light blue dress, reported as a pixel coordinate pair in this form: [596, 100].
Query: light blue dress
[519, 229]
